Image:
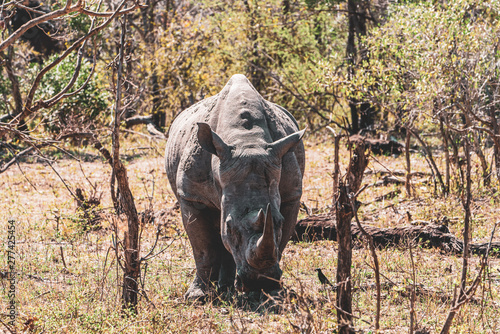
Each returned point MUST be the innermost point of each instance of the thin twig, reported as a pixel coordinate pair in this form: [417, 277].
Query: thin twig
[163, 250]
[8, 327]
[413, 291]
[14, 159]
[58, 175]
[62, 258]
[22, 172]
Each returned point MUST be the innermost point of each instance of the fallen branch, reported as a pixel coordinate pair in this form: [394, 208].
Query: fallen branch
[136, 120]
[323, 227]
[396, 172]
[378, 146]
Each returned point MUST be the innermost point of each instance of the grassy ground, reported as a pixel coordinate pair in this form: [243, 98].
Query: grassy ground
[69, 278]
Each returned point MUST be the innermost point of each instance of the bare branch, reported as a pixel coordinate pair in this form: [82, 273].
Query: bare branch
[15, 159]
[28, 109]
[108, 14]
[67, 9]
[20, 5]
[466, 296]
[30, 24]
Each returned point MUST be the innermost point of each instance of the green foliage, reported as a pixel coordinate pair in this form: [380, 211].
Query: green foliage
[197, 53]
[314, 3]
[427, 54]
[80, 23]
[77, 110]
[6, 99]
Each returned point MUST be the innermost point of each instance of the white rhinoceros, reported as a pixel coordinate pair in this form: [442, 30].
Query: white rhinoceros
[235, 162]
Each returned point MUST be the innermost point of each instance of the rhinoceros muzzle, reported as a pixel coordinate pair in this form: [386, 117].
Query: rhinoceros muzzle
[269, 282]
[262, 252]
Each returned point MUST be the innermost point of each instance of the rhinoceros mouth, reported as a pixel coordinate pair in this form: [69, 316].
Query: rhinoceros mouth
[262, 282]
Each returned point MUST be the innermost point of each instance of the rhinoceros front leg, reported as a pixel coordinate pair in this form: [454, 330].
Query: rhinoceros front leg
[289, 211]
[202, 226]
[227, 272]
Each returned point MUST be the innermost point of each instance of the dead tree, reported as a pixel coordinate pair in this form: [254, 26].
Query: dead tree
[347, 186]
[131, 266]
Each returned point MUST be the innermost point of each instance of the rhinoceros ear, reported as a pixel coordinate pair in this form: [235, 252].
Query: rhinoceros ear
[283, 145]
[211, 142]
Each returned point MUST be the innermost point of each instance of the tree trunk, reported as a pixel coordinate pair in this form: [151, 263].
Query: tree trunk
[351, 58]
[482, 159]
[344, 215]
[361, 112]
[344, 294]
[479, 152]
[286, 7]
[159, 116]
[148, 23]
[131, 272]
[466, 201]
[354, 117]
[256, 62]
[132, 268]
[16, 93]
[367, 113]
[336, 169]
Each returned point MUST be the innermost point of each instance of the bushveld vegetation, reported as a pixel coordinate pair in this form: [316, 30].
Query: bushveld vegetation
[88, 89]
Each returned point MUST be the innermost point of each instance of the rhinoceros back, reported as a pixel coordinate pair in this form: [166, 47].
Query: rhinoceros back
[189, 167]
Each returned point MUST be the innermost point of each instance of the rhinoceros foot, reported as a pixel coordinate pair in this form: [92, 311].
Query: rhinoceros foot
[195, 294]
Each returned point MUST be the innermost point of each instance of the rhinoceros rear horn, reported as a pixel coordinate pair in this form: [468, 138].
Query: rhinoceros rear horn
[283, 145]
[263, 254]
[211, 142]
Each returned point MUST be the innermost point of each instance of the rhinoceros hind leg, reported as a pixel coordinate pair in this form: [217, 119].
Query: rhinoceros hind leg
[201, 225]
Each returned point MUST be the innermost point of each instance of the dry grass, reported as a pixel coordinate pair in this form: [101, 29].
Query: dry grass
[84, 296]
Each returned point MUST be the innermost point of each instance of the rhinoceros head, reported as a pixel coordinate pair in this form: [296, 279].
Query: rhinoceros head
[251, 222]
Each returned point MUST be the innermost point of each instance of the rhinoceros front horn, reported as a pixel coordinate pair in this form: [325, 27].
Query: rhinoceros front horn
[262, 254]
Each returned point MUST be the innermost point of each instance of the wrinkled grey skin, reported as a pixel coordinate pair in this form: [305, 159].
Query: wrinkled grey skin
[235, 162]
